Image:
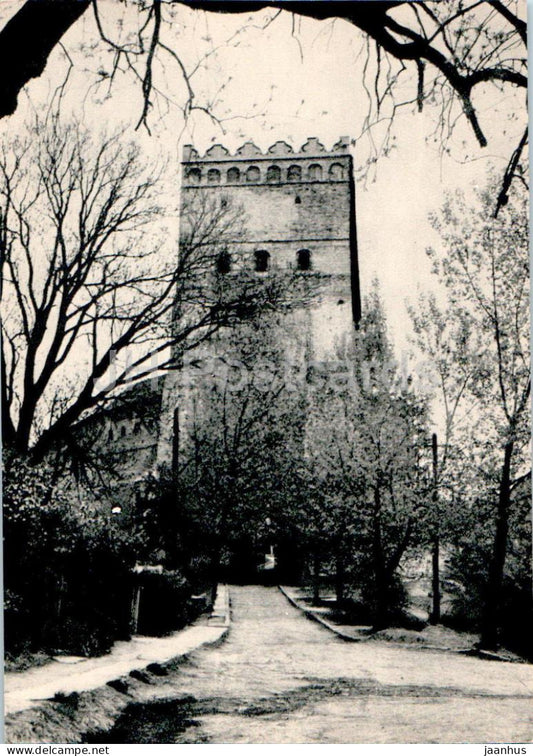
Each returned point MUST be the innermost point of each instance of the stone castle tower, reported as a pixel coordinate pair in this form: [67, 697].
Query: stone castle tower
[299, 211]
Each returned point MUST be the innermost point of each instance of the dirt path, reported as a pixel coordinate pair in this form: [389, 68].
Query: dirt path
[66, 675]
[279, 678]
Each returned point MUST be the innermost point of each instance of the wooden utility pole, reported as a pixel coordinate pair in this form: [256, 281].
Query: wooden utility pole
[434, 616]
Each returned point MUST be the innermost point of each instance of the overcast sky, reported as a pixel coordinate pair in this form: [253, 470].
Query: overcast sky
[290, 80]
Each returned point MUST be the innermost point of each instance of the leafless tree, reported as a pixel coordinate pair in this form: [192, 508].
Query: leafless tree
[455, 49]
[90, 301]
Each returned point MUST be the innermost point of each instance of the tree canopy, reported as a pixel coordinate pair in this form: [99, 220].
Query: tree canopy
[456, 50]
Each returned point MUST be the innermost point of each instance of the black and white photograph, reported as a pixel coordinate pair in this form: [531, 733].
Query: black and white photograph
[265, 372]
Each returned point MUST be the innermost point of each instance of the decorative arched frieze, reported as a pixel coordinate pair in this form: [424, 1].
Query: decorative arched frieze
[336, 172]
[253, 175]
[273, 174]
[233, 176]
[294, 173]
[213, 176]
[194, 176]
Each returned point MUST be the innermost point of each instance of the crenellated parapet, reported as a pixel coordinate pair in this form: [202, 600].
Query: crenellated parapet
[280, 164]
[280, 149]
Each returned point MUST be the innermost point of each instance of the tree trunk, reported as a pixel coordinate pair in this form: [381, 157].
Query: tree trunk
[316, 577]
[434, 616]
[214, 573]
[339, 578]
[381, 616]
[175, 448]
[25, 423]
[8, 429]
[381, 602]
[489, 628]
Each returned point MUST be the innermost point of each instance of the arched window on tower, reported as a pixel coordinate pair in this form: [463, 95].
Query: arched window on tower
[224, 262]
[273, 174]
[253, 175]
[315, 172]
[194, 176]
[233, 176]
[294, 173]
[262, 260]
[336, 172]
[213, 176]
[303, 259]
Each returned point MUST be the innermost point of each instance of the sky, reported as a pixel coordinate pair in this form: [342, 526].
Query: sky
[287, 79]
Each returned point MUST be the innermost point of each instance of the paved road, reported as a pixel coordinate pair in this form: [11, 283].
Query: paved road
[280, 678]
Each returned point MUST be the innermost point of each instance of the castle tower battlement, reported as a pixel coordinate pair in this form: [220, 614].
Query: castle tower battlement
[280, 164]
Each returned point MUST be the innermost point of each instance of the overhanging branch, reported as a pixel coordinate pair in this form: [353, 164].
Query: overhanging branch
[27, 40]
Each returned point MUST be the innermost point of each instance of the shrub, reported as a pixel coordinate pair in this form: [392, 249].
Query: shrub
[67, 570]
[165, 603]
